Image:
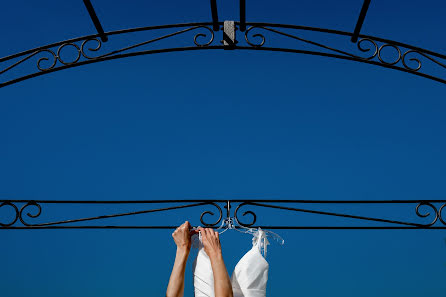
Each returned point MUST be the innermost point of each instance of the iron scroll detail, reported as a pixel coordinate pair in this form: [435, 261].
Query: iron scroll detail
[436, 213]
[423, 209]
[254, 217]
[251, 43]
[16, 214]
[81, 51]
[200, 36]
[440, 214]
[29, 203]
[378, 51]
[211, 213]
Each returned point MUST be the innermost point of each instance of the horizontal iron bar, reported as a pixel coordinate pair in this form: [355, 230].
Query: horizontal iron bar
[338, 32]
[213, 227]
[287, 26]
[19, 216]
[193, 48]
[231, 200]
[334, 214]
[116, 32]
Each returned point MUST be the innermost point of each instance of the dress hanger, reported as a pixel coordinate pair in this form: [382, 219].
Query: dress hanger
[228, 223]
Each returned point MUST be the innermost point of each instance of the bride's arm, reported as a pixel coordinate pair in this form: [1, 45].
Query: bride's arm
[181, 236]
[212, 247]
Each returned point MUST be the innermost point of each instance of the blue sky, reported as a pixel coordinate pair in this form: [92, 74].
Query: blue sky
[223, 125]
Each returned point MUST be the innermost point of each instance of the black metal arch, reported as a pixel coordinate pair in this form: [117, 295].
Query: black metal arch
[201, 36]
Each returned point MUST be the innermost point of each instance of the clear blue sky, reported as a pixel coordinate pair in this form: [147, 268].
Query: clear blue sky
[222, 124]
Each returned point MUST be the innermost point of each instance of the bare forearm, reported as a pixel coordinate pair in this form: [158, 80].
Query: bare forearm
[222, 282]
[175, 288]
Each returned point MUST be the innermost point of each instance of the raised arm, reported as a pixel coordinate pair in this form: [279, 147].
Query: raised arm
[212, 247]
[182, 238]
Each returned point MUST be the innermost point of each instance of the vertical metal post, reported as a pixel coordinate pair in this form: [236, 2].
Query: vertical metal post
[228, 209]
[242, 15]
[365, 7]
[214, 12]
[95, 20]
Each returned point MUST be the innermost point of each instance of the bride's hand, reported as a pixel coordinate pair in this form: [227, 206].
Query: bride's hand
[211, 242]
[182, 236]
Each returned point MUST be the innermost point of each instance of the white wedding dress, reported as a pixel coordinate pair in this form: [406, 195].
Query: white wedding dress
[249, 277]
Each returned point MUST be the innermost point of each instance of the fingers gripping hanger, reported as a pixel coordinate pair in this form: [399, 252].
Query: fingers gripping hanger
[232, 223]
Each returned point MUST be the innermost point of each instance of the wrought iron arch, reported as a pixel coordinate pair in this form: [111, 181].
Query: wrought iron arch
[257, 36]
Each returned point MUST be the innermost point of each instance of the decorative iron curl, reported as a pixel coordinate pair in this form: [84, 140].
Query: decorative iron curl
[57, 56]
[427, 214]
[440, 214]
[30, 203]
[255, 35]
[211, 213]
[254, 217]
[392, 46]
[378, 50]
[400, 57]
[90, 49]
[359, 44]
[69, 44]
[46, 59]
[16, 213]
[418, 61]
[203, 35]
[83, 51]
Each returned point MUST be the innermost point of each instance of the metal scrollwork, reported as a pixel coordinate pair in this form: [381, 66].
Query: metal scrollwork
[362, 49]
[69, 44]
[198, 35]
[421, 210]
[392, 46]
[211, 213]
[55, 54]
[98, 47]
[377, 50]
[417, 211]
[253, 44]
[16, 213]
[30, 203]
[54, 57]
[416, 60]
[254, 217]
[440, 214]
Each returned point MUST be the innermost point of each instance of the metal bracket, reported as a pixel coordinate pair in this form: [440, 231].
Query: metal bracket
[229, 39]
